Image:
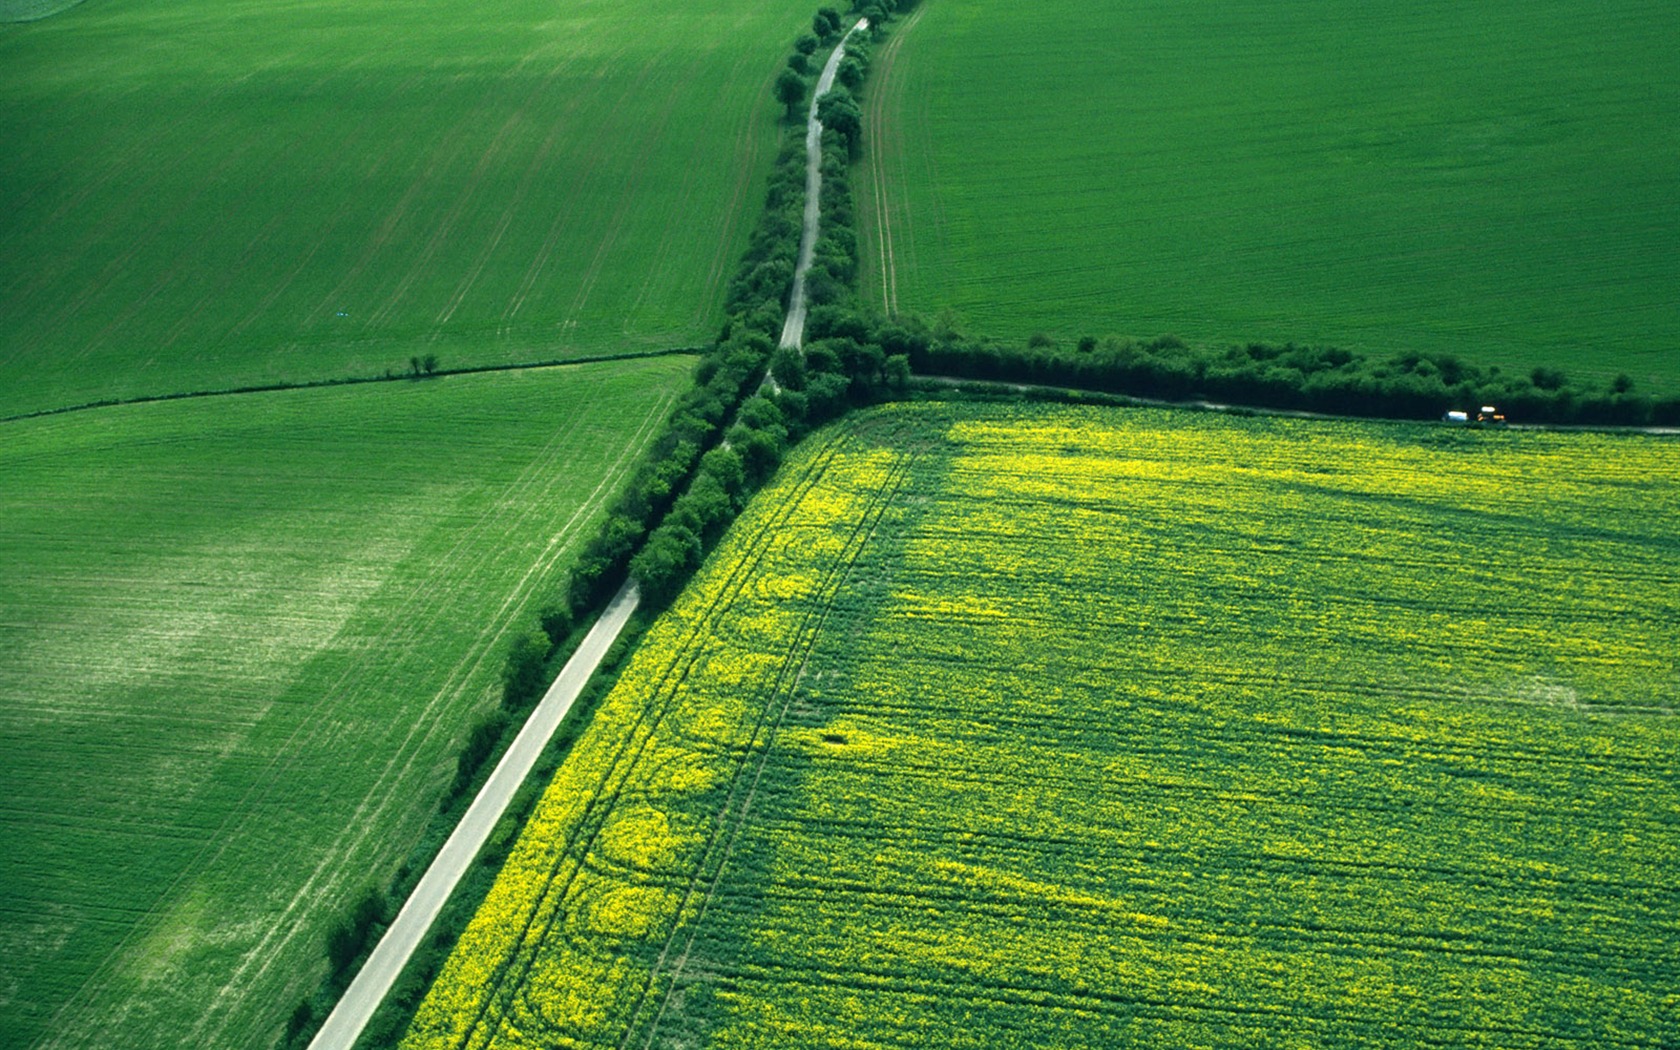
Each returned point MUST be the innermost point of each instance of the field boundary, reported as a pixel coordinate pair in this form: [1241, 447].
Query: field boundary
[731, 819]
[1050, 392]
[583, 832]
[389, 377]
[455, 681]
[875, 108]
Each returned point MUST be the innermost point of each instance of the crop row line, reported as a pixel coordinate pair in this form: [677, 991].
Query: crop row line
[809, 629]
[1438, 1026]
[584, 831]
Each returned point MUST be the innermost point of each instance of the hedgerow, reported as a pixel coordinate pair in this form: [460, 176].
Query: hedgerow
[733, 432]
[1293, 377]
[725, 438]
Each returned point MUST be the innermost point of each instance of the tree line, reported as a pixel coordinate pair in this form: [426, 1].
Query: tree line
[843, 363]
[720, 442]
[1324, 379]
[732, 429]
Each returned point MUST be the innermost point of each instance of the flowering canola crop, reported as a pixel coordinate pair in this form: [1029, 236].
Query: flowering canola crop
[1023, 726]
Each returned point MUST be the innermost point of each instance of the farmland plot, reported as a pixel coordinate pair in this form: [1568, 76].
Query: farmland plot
[29, 10]
[241, 640]
[1491, 180]
[1001, 726]
[209, 193]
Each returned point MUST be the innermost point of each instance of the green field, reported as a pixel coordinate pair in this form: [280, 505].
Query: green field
[241, 641]
[30, 10]
[1022, 726]
[1493, 180]
[207, 193]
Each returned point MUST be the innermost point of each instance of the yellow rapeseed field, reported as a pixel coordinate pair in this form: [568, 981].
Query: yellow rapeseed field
[1023, 726]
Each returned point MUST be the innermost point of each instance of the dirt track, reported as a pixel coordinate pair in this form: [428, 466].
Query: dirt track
[885, 135]
[793, 329]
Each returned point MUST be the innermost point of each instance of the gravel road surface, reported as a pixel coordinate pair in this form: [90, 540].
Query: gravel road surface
[793, 329]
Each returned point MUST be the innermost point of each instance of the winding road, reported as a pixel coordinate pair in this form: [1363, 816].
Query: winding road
[356, 1007]
[793, 329]
[344, 1025]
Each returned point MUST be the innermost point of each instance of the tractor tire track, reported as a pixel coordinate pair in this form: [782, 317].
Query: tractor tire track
[727, 829]
[426, 725]
[497, 1004]
[886, 142]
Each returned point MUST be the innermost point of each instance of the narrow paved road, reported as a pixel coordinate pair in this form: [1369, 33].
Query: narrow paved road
[793, 329]
[345, 1023]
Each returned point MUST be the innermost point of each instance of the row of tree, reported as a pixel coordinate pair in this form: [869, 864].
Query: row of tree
[793, 85]
[842, 364]
[725, 438]
[1261, 375]
[1309, 378]
[854, 357]
[725, 374]
[731, 430]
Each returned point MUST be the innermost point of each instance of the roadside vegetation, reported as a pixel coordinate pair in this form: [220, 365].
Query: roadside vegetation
[872, 665]
[723, 439]
[1125, 727]
[858, 352]
[1327, 380]
[354, 936]
[852, 682]
[757, 401]
[244, 640]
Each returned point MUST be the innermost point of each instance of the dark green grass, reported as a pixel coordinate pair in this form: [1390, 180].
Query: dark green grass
[1494, 180]
[206, 194]
[241, 639]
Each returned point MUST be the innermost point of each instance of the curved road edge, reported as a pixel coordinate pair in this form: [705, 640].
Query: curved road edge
[353, 1010]
[793, 329]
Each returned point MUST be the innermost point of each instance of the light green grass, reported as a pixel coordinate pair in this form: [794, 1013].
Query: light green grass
[1494, 180]
[205, 193]
[30, 10]
[1013, 726]
[241, 639]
